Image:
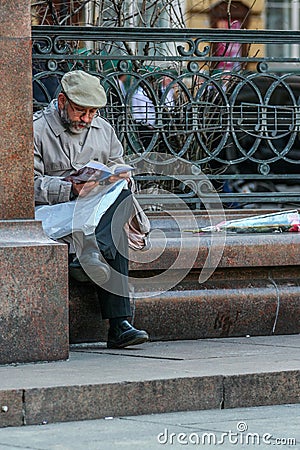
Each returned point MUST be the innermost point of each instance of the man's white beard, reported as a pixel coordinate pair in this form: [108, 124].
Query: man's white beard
[72, 125]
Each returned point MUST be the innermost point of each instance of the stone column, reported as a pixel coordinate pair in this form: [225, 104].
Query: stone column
[33, 268]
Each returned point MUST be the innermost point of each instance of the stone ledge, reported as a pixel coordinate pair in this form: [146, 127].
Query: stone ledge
[233, 302]
[155, 377]
[34, 295]
[86, 402]
[118, 399]
[220, 312]
[240, 250]
[23, 232]
[11, 408]
[262, 389]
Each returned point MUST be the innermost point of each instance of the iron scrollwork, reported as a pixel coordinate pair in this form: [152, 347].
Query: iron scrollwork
[232, 125]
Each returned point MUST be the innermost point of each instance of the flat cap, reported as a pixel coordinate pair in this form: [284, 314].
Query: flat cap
[83, 89]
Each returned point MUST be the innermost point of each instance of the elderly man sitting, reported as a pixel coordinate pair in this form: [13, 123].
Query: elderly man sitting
[68, 134]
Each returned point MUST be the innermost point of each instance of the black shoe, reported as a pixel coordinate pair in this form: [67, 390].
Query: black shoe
[124, 334]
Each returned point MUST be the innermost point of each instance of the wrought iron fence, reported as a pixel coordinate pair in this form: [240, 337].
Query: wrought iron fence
[182, 107]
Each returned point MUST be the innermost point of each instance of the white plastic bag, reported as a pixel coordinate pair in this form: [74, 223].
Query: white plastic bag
[82, 214]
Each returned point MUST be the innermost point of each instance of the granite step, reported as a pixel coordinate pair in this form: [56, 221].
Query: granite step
[155, 377]
[253, 288]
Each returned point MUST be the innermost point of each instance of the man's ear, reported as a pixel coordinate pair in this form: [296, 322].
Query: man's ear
[61, 100]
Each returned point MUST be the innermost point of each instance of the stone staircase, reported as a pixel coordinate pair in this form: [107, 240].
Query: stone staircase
[255, 289]
[155, 377]
[231, 341]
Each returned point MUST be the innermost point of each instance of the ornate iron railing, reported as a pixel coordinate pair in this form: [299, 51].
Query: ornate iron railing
[238, 127]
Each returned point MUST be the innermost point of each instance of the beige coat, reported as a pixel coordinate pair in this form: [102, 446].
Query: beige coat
[58, 153]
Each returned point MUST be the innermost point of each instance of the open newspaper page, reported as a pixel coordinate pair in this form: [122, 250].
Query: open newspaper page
[96, 171]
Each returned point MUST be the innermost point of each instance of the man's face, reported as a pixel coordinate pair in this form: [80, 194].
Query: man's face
[75, 117]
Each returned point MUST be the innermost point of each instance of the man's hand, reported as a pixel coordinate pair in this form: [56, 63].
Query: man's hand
[120, 176]
[82, 189]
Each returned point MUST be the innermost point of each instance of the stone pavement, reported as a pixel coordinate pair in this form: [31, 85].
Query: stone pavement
[156, 377]
[242, 428]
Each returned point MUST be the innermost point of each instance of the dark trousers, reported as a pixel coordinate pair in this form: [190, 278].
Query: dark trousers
[113, 244]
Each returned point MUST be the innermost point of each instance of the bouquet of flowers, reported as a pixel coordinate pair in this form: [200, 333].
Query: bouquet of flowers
[278, 222]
